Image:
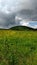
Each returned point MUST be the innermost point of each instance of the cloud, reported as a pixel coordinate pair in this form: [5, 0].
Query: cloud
[10, 9]
[15, 5]
[24, 23]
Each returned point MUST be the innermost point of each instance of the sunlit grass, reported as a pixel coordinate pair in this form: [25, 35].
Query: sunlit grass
[18, 47]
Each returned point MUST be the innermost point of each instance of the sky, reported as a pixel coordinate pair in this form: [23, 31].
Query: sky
[22, 9]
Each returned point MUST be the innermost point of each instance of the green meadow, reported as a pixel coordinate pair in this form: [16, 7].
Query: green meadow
[18, 47]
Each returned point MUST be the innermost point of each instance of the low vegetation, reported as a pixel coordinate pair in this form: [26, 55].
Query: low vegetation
[18, 47]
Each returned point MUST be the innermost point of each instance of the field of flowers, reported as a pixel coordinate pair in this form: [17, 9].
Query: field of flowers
[18, 47]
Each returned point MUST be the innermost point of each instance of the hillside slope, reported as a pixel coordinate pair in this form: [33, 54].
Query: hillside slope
[22, 28]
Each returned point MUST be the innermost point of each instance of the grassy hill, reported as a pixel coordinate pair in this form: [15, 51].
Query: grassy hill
[18, 46]
[21, 28]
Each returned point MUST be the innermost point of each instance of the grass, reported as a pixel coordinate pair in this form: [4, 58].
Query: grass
[18, 47]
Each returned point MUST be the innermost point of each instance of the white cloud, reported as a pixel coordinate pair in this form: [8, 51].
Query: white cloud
[24, 23]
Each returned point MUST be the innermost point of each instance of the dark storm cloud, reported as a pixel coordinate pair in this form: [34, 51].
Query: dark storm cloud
[10, 9]
[7, 19]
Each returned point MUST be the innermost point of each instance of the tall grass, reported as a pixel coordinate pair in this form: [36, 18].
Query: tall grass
[18, 47]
